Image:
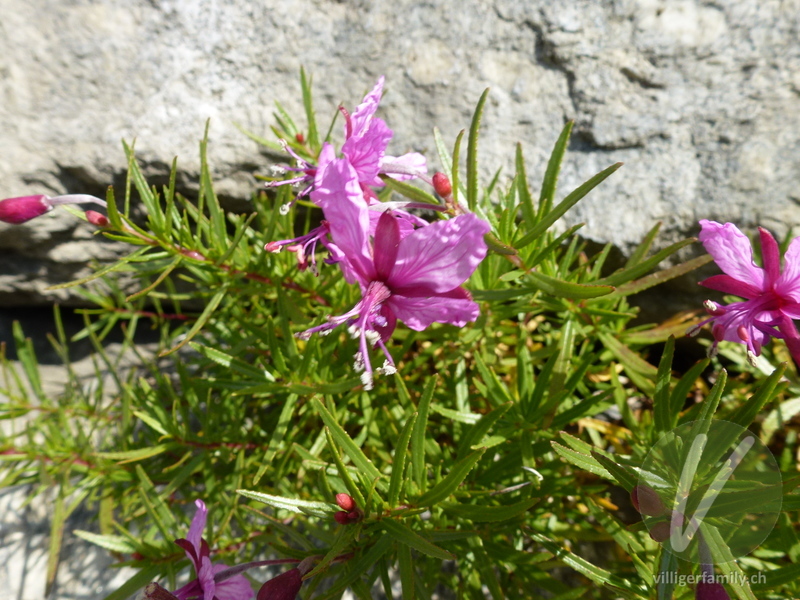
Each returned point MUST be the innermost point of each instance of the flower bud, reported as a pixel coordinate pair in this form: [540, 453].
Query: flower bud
[442, 184]
[660, 532]
[647, 501]
[341, 517]
[710, 591]
[95, 218]
[285, 586]
[345, 502]
[23, 208]
[300, 138]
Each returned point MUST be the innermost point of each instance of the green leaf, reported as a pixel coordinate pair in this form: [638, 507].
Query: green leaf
[662, 416]
[409, 191]
[136, 583]
[746, 413]
[587, 463]
[472, 153]
[565, 289]
[419, 433]
[115, 543]
[201, 320]
[308, 104]
[548, 193]
[346, 442]
[138, 454]
[400, 533]
[399, 462]
[454, 478]
[317, 509]
[488, 514]
[571, 200]
[626, 275]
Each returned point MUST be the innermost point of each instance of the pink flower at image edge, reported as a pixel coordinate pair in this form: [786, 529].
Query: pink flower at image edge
[772, 294]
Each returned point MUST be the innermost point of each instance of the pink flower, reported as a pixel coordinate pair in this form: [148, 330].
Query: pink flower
[772, 295]
[217, 582]
[366, 139]
[411, 276]
[24, 208]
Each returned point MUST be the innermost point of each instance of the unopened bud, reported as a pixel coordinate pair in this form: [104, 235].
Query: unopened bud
[660, 532]
[23, 208]
[341, 517]
[345, 502]
[285, 586]
[647, 501]
[710, 591]
[442, 184]
[300, 138]
[95, 218]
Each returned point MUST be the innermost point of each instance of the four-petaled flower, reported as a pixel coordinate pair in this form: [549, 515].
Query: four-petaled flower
[213, 582]
[414, 276]
[772, 294]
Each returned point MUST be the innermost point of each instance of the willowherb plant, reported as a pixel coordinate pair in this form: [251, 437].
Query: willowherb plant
[513, 417]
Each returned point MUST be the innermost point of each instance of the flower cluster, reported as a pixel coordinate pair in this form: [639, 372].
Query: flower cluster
[407, 269]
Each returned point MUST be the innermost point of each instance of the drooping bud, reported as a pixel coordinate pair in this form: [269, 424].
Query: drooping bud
[647, 501]
[95, 218]
[24, 208]
[442, 184]
[345, 502]
[660, 532]
[153, 591]
[285, 586]
[710, 591]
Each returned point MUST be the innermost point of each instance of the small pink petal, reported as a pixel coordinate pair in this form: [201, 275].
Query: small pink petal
[788, 284]
[367, 109]
[732, 252]
[728, 285]
[387, 240]
[455, 308]
[770, 257]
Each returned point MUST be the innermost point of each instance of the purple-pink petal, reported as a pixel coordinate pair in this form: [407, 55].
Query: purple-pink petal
[341, 199]
[364, 112]
[23, 208]
[441, 256]
[455, 307]
[788, 284]
[770, 257]
[405, 167]
[732, 252]
[387, 240]
[233, 588]
[366, 151]
[198, 526]
[728, 285]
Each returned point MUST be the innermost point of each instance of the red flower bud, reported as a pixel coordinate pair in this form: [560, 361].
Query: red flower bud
[341, 517]
[285, 586]
[710, 591]
[442, 184]
[647, 501]
[23, 208]
[660, 532]
[345, 502]
[95, 218]
[300, 138]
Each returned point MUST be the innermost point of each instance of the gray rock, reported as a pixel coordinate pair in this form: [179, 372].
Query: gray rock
[700, 100]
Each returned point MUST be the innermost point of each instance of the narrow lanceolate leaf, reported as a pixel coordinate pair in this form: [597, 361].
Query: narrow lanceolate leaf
[631, 273]
[138, 454]
[115, 266]
[571, 200]
[311, 115]
[115, 543]
[318, 509]
[661, 399]
[411, 192]
[566, 289]
[399, 462]
[550, 182]
[201, 320]
[360, 566]
[359, 459]
[488, 514]
[418, 435]
[746, 413]
[472, 153]
[411, 538]
[587, 463]
[454, 478]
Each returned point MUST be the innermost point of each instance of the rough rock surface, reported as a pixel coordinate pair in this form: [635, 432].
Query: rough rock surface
[701, 100]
